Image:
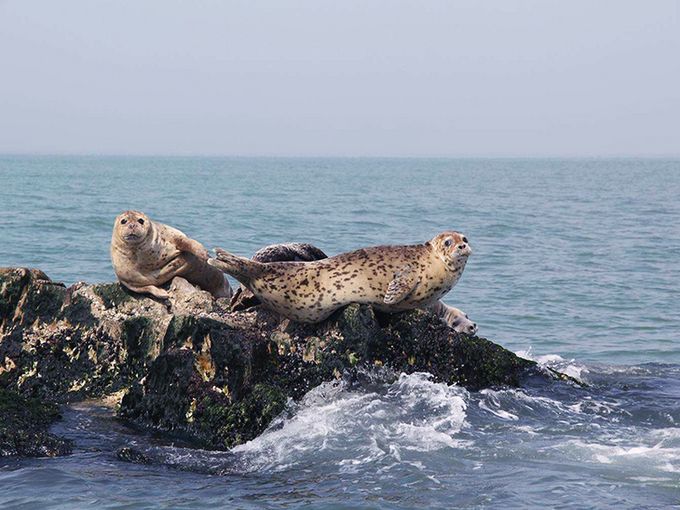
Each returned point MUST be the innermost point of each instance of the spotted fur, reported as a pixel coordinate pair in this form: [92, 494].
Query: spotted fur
[391, 278]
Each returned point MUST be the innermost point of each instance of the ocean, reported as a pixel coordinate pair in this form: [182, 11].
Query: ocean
[576, 264]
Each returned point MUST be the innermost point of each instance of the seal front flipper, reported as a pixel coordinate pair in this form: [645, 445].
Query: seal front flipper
[173, 268]
[241, 268]
[404, 282]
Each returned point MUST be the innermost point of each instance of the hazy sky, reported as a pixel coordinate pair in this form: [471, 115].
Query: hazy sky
[340, 77]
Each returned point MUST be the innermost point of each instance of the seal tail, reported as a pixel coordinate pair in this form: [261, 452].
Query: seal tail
[241, 268]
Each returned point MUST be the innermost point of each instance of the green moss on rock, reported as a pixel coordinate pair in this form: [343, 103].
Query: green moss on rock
[418, 341]
[112, 294]
[230, 424]
[78, 310]
[24, 424]
[29, 294]
[12, 284]
[138, 338]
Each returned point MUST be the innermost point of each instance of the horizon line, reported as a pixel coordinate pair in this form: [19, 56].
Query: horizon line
[335, 156]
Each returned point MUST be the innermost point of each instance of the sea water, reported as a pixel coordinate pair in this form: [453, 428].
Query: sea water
[576, 263]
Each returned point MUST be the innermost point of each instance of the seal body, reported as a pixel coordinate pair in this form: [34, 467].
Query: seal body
[303, 252]
[243, 298]
[391, 278]
[147, 254]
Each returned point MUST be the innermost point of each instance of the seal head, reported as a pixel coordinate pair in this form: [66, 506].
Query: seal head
[132, 227]
[452, 248]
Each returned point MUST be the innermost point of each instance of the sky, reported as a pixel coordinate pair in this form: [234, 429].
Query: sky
[436, 78]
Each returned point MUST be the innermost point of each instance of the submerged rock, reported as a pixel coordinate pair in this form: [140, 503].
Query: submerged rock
[129, 454]
[24, 425]
[196, 369]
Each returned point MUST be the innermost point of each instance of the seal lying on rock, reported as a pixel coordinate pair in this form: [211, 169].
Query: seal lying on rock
[147, 254]
[454, 318]
[303, 252]
[391, 278]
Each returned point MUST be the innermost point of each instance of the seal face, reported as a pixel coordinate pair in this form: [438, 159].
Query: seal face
[456, 319]
[391, 278]
[146, 254]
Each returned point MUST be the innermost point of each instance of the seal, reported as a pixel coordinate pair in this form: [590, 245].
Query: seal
[391, 278]
[147, 254]
[303, 252]
[285, 252]
[455, 318]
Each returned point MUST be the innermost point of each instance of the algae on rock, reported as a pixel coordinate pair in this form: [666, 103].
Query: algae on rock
[24, 425]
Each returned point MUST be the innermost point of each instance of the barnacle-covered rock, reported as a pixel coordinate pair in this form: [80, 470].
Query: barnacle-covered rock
[195, 368]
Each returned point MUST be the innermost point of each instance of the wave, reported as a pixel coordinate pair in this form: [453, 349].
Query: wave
[355, 427]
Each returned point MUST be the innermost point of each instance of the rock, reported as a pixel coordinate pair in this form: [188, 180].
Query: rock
[24, 425]
[198, 370]
[129, 454]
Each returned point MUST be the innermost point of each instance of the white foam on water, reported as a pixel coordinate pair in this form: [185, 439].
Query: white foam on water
[492, 405]
[609, 409]
[556, 362]
[357, 428]
[493, 401]
[655, 452]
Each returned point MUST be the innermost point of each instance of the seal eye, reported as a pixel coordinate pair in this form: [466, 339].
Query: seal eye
[140, 221]
[447, 243]
[465, 239]
[123, 222]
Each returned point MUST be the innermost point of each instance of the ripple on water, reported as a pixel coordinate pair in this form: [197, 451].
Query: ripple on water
[570, 256]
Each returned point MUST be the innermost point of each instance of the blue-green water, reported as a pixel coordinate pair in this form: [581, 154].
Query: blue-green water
[575, 262]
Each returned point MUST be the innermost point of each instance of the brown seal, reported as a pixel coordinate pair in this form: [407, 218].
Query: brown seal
[147, 254]
[391, 278]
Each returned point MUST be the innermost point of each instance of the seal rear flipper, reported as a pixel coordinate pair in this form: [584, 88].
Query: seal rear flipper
[404, 282]
[240, 268]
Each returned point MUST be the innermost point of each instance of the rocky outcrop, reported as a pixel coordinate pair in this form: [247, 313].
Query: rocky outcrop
[24, 425]
[194, 368]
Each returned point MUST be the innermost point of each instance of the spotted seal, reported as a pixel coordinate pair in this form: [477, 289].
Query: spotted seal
[391, 278]
[243, 298]
[147, 254]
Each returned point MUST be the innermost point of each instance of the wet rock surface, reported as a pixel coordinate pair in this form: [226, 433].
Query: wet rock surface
[24, 425]
[195, 369]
